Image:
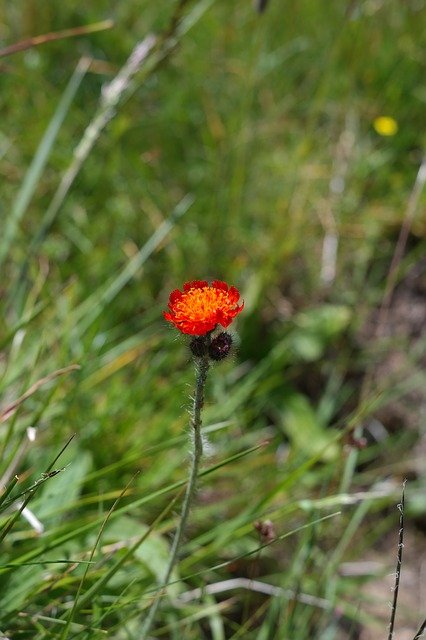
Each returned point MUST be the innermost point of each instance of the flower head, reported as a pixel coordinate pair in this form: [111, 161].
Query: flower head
[385, 126]
[200, 307]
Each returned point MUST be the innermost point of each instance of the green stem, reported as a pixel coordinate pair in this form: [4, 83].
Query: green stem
[202, 367]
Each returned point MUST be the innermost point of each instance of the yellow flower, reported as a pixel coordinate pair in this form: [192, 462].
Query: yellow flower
[385, 126]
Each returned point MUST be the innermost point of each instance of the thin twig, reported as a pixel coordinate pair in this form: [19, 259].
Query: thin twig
[252, 585]
[398, 562]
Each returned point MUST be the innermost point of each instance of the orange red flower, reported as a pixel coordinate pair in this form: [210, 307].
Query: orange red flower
[200, 307]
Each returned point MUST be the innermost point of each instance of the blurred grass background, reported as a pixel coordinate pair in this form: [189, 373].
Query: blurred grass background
[246, 148]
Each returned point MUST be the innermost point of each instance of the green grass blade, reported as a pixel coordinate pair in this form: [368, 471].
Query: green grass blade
[106, 577]
[38, 164]
[91, 308]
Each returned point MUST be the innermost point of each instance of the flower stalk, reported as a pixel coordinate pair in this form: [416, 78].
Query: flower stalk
[197, 311]
[201, 367]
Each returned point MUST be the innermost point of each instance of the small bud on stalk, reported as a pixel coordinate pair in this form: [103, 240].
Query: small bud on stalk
[198, 346]
[220, 346]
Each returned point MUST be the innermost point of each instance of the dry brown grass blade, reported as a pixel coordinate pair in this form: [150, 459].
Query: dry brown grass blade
[10, 409]
[36, 41]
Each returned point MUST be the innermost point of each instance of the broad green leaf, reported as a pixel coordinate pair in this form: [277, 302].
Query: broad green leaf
[304, 430]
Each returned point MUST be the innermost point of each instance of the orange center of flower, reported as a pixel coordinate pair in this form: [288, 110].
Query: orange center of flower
[201, 304]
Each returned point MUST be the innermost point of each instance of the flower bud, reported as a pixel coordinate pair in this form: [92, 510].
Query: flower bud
[220, 346]
[198, 346]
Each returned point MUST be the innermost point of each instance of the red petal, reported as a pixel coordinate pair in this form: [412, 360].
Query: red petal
[174, 296]
[196, 328]
[195, 284]
[233, 295]
[223, 318]
[219, 284]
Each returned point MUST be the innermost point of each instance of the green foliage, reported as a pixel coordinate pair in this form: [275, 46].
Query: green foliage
[242, 147]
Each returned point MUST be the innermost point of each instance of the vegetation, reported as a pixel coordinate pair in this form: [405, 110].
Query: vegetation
[239, 146]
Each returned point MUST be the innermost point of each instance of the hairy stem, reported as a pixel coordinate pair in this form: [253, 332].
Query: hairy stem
[202, 367]
[398, 563]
